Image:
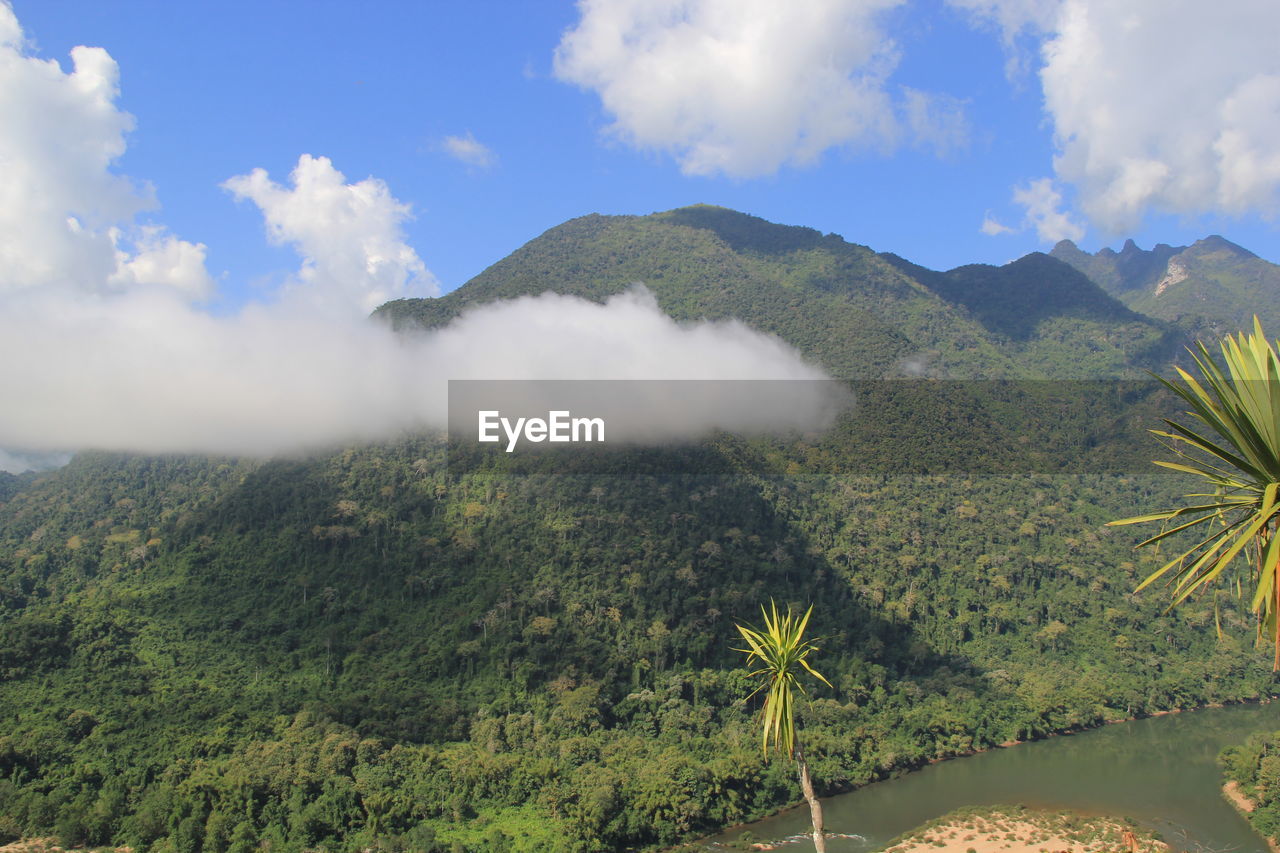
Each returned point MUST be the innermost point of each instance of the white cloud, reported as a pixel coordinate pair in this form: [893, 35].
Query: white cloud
[1158, 105]
[161, 258]
[936, 121]
[628, 337]
[991, 226]
[349, 235]
[104, 345]
[148, 372]
[1013, 17]
[1018, 22]
[469, 150]
[65, 217]
[739, 87]
[1043, 204]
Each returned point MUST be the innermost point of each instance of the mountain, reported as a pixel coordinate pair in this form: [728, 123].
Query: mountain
[375, 649]
[1210, 288]
[858, 313]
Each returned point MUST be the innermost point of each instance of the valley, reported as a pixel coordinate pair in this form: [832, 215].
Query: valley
[372, 648]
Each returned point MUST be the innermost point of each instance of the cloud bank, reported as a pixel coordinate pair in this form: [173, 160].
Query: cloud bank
[147, 372]
[104, 344]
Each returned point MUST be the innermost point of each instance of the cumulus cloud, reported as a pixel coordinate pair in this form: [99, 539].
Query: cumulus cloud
[161, 258]
[104, 345]
[1043, 204]
[1157, 105]
[348, 235]
[739, 87]
[66, 218]
[992, 226]
[1043, 210]
[467, 149]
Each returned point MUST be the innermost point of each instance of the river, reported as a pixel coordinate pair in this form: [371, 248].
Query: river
[1161, 771]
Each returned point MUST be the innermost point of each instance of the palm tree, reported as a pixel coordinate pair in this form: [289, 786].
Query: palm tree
[779, 656]
[1235, 450]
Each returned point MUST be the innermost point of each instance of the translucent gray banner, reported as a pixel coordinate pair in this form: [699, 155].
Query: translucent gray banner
[808, 427]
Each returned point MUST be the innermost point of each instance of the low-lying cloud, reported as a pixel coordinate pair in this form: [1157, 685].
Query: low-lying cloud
[147, 372]
[104, 345]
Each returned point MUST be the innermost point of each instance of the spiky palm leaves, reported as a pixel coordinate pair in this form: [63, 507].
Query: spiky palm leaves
[1235, 449]
[778, 656]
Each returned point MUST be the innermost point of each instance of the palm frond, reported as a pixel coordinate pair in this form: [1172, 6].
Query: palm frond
[1235, 449]
[777, 654]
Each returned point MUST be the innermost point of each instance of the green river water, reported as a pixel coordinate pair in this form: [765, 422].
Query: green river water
[1160, 771]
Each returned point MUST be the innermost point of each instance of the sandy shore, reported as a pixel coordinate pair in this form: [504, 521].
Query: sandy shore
[1244, 805]
[1236, 797]
[1015, 829]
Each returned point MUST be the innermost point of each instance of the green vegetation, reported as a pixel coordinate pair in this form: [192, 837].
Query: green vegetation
[1210, 289]
[860, 314]
[780, 655]
[364, 649]
[376, 649]
[1236, 450]
[1255, 768]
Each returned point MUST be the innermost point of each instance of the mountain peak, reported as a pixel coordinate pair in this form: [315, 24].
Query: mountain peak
[1215, 244]
[1064, 249]
[742, 231]
[1209, 288]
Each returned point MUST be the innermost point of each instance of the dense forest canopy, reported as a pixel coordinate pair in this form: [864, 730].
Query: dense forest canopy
[375, 649]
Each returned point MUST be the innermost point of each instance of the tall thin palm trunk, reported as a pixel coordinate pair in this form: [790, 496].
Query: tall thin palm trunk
[779, 655]
[815, 806]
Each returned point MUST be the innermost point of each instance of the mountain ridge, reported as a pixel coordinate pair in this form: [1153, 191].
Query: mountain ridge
[376, 649]
[1211, 288]
[859, 313]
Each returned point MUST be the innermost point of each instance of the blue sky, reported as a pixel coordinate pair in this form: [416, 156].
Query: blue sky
[201, 203]
[219, 89]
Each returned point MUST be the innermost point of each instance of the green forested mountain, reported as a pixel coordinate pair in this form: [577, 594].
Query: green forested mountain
[373, 649]
[1211, 288]
[858, 313]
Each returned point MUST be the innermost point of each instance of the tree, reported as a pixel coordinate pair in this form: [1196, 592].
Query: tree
[778, 655]
[1235, 449]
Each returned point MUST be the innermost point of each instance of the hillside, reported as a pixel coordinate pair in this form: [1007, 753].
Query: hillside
[376, 650]
[1210, 288]
[858, 313]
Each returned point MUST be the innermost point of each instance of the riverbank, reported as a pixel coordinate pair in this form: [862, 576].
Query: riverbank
[1017, 829]
[1106, 770]
[1245, 806]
